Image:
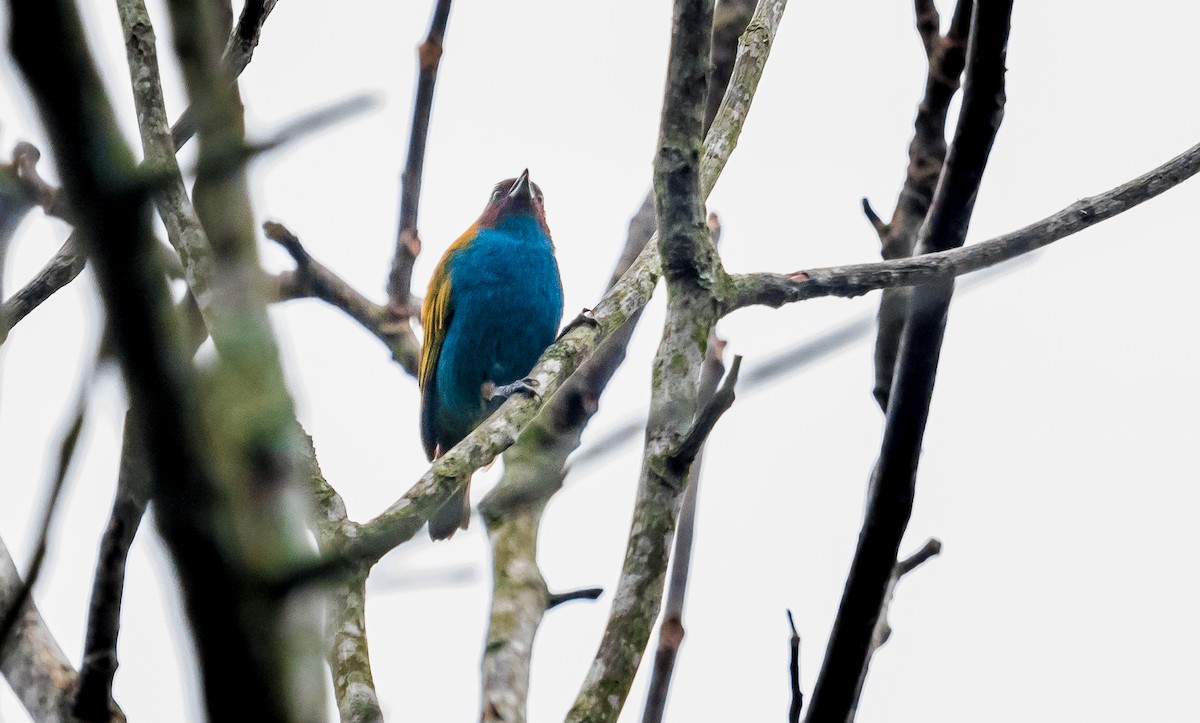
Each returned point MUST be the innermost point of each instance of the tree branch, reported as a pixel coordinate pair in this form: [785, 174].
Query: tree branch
[346, 624]
[239, 50]
[69, 261]
[250, 415]
[671, 630]
[93, 699]
[926, 154]
[408, 240]
[883, 629]
[794, 672]
[694, 277]
[893, 483]
[36, 668]
[940, 266]
[313, 279]
[99, 175]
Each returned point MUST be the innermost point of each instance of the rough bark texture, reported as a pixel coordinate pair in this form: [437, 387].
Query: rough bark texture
[694, 278]
[671, 630]
[346, 612]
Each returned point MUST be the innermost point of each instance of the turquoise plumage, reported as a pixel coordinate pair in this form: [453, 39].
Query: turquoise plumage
[493, 306]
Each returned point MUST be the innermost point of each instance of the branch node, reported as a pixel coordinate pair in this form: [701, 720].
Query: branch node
[553, 600]
[931, 549]
[877, 223]
[689, 447]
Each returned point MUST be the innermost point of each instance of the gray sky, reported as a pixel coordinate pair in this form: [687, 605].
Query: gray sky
[1058, 464]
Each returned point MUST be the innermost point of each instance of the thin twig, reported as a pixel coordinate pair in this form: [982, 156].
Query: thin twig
[890, 498]
[883, 627]
[62, 268]
[555, 599]
[794, 672]
[408, 240]
[66, 452]
[93, 699]
[313, 279]
[684, 454]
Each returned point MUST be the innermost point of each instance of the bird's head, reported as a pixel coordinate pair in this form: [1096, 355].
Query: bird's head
[513, 198]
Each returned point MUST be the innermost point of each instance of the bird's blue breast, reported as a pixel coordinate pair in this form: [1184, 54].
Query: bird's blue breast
[507, 300]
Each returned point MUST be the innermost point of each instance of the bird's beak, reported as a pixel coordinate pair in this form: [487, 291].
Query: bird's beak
[522, 189]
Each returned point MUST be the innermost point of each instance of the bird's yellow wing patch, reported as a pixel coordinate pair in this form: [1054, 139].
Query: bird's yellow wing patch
[437, 309]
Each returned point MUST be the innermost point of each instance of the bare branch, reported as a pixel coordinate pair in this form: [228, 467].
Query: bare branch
[671, 630]
[587, 593]
[346, 625]
[93, 699]
[683, 455]
[239, 50]
[408, 240]
[926, 157]
[928, 25]
[60, 270]
[940, 266]
[692, 269]
[883, 628]
[36, 668]
[313, 279]
[66, 452]
[794, 672]
[893, 483]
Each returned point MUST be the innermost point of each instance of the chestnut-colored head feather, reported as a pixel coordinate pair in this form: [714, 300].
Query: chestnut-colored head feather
[514, 196]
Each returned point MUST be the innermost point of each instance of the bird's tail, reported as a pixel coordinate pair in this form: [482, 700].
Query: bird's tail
[453, 516]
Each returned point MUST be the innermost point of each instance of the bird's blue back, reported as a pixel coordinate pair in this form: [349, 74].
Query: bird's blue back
[507, 304]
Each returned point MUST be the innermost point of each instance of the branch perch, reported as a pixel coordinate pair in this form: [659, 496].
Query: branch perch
[406, 516]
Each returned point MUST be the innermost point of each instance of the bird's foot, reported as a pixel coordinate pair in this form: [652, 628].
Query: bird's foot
[527, 386]
[585, 318]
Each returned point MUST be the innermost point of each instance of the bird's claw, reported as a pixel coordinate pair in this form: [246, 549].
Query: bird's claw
[527, 386]
[585, 318]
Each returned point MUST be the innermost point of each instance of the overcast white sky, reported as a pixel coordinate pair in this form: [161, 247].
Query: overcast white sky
[1059, 465]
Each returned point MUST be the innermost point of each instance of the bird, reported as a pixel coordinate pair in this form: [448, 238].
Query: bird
[494, 304]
